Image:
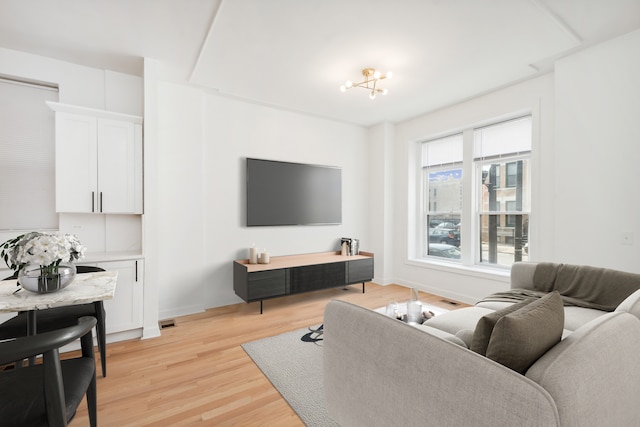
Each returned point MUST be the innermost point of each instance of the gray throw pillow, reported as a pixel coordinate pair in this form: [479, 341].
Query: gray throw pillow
[485, 326]
[521, 337]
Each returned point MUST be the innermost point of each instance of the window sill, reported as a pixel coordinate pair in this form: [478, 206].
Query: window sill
[491, 273]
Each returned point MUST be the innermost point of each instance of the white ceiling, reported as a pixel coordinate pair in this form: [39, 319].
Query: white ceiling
[295, 54]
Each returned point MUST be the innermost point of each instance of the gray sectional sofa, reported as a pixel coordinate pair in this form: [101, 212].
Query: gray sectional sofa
[379, 371]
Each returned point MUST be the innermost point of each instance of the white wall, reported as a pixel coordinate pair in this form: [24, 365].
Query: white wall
[179, 188]
[597, 154]
[381, 205]
[201, 167]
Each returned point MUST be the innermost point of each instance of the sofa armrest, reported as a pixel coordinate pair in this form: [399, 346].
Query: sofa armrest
[379, 371]
[522, 275]
[593, 373]
[631, 304]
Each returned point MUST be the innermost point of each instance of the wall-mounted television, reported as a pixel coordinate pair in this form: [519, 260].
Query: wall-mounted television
[284, 193]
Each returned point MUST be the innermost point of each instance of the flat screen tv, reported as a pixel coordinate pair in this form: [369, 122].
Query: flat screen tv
[284, 193]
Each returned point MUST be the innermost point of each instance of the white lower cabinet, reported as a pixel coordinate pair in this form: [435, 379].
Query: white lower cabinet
[124, 311]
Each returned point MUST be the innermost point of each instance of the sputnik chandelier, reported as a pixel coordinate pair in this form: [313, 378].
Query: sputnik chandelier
[371, 79]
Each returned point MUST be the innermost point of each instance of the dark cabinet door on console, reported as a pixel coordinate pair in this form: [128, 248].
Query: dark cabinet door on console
[265, 284]
[321, 276]
[360, 270]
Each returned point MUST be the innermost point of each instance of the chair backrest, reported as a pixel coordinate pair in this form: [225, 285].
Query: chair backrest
[26, 346]
[57, 384]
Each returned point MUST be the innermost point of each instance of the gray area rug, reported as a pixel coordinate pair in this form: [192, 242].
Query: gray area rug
[293, 363]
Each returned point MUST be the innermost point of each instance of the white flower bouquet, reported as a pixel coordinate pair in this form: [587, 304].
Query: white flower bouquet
[43, 249]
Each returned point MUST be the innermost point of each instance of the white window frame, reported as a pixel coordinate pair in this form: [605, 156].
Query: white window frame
[470, 237]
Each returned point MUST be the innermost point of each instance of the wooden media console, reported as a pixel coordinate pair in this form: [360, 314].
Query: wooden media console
[293, 274]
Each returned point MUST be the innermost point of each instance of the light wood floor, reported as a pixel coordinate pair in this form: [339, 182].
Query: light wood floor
[196, 373]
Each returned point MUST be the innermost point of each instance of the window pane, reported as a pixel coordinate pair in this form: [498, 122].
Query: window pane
[504, 211]
[494, 197]
[443, 212]
[442, 186]
[444, 236]
[504, 245]
[512, 174]
[445, 190]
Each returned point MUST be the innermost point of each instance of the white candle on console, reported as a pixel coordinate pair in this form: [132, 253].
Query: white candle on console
[253, 254]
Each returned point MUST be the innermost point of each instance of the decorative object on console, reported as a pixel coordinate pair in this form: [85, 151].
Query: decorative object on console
[264, 257]
[349, 246]
[253, 254]
[43, 261]
[371, 79]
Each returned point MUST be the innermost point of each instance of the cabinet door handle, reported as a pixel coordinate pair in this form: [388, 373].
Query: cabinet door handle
[101, 202]
[93, 201]
[136, 270]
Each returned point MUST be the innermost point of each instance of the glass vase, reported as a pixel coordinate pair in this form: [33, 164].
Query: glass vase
[414, 307]
[41, 280]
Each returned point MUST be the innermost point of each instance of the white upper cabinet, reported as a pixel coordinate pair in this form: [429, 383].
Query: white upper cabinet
[98, 161]
[119, 155]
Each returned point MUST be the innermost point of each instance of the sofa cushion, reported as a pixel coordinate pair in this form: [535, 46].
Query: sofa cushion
[457, 320]
[485, 325]
[494, 305]
[442, 334]
[521, 337]
[576, 317]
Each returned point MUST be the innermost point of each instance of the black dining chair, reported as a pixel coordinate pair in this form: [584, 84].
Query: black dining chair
[62, 317]
[48, 394]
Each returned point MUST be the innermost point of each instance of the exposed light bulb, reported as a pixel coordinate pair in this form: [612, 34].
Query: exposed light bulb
[343, 88]
[348, 84]
[372, 95]
[376, 75]
[384, 91]
[388, 75]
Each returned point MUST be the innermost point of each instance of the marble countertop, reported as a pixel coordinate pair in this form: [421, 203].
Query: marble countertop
[85, 288]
